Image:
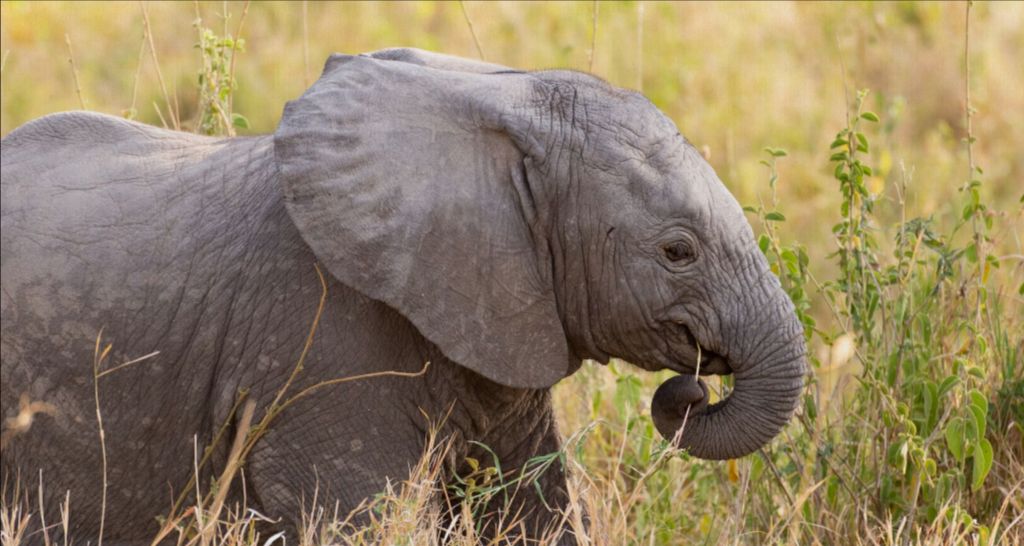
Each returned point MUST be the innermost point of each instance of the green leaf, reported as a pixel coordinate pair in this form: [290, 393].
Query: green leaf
[968, 211]
[930, 395]
[930, 467]
[749, 208]
[870, 116]
[789, 257]
[763, 242]
[810, 407]
[972, 253]
[978, 400]
[948, 383]
[776, 152]
[955, 438]
[982, 463]
[838, 156]
[903, 452]
[775, 216]
[838, 142]
[979, 423]
[239, 121]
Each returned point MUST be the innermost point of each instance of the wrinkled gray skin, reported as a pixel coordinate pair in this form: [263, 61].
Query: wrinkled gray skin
[502, 225]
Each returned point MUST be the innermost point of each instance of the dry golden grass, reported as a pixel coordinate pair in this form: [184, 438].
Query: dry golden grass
[736, 78]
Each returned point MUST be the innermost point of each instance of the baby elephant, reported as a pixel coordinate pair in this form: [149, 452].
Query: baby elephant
[501, 225]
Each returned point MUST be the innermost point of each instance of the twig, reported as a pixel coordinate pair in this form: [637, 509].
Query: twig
[42, 513]
[390, 373]
[65, 515]
[207, 453]
[230, 469]
[135, 82]
[305, 42]
[593, 38]
[967, 89]
[74, 71]
[672, 443]
[479, 50]
[309, 339]
[159, 74]
[971, 168]
[97, 361]
[160, 115]
[129, 363]
[3, 61]
[275, 408]
[231, 68]
[640, 46]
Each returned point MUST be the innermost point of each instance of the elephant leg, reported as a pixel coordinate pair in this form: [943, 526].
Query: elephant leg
[340, 450]
[533, 500]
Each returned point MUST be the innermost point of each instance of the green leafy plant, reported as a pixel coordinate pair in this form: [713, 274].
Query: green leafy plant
[216, 80]
[912, 324]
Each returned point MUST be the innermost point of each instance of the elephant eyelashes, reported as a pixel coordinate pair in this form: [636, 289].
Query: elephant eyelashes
[679, 251]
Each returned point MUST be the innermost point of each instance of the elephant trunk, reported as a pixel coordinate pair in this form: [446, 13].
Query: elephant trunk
[768, 383]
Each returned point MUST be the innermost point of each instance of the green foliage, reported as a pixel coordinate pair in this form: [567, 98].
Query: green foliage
[914, 436]
[217, 82]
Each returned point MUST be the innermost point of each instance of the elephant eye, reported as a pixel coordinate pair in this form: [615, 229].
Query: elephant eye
[678, 251]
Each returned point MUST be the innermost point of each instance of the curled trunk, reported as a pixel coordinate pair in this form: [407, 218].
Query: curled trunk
[768, 385]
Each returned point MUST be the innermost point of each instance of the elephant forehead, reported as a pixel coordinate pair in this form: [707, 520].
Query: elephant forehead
[674, 183]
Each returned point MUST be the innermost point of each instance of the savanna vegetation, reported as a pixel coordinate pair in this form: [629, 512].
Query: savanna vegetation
[877, 147]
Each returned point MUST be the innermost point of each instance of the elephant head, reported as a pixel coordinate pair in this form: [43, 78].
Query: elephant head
[526, 221]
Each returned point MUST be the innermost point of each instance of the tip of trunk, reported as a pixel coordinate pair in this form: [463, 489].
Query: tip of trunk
[753, 414]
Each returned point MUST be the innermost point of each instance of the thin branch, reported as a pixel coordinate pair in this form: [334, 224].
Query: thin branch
[305, 42]
[74, 71]
[160, 115]
[159, 74]
[132, 112]
[479, 50]
[230, 469]
[967, 90]
[97, 361]
[971, 168]
[639, 46]
[309, 339]
[389, 373]
[129, 363]
[207, 453]
[593, 38]
[42, 512]
[231, 69]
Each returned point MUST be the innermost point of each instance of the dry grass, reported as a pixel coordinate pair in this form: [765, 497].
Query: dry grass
[735, 78]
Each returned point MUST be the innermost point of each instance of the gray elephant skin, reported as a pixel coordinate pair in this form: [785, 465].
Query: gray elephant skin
[502, 225]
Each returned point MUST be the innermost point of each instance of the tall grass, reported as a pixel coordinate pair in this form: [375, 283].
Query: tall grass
[907, 275]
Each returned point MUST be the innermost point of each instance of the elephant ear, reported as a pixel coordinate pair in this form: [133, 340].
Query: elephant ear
[404, 181]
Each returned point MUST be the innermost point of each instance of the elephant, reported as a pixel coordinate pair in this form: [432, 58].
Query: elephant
[500, 226]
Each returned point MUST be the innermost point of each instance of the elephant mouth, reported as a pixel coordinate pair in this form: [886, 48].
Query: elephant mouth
[711, 362]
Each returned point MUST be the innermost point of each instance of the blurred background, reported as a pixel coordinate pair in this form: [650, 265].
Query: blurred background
[736, 78]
